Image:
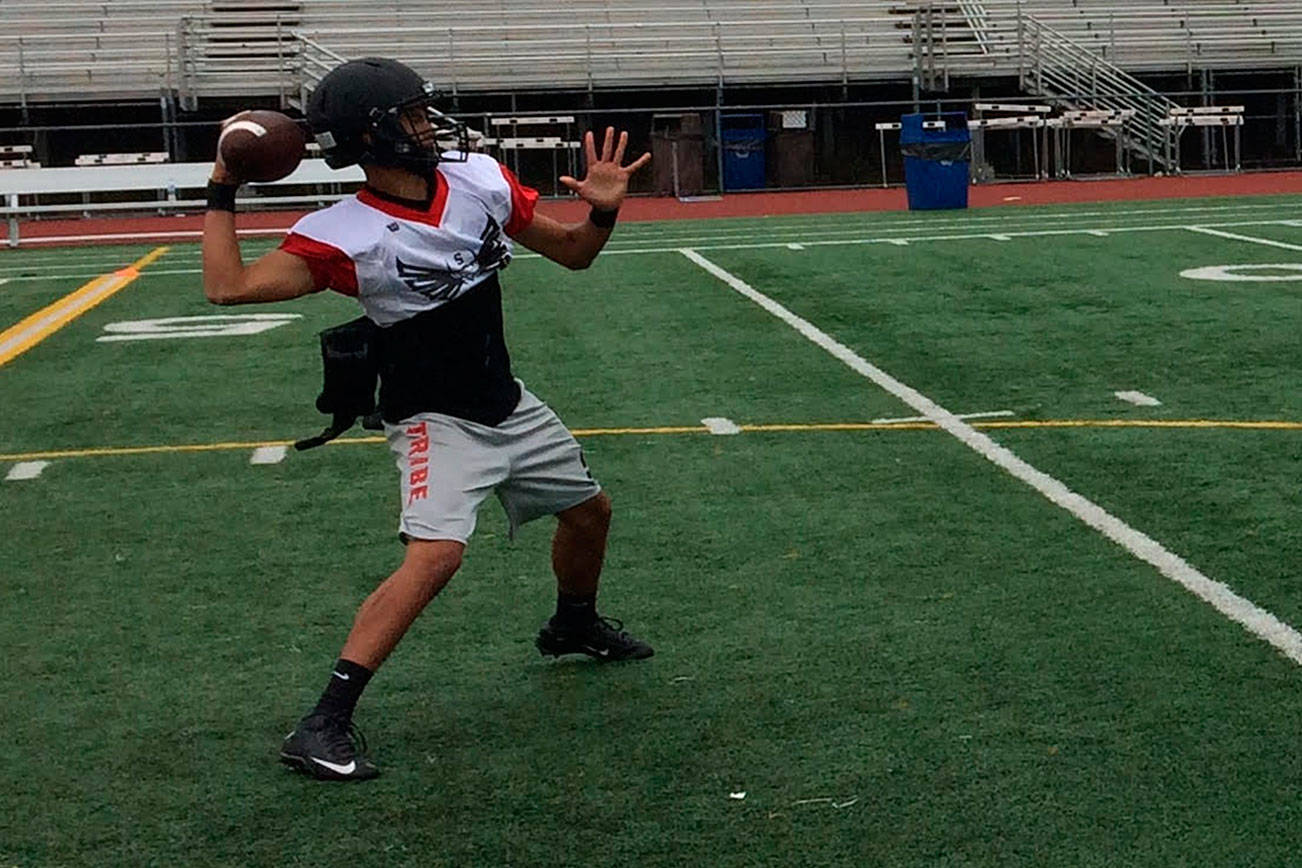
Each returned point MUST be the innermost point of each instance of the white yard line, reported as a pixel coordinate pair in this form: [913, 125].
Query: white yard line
[1269, 242]
[1252, 617]
[993, 414]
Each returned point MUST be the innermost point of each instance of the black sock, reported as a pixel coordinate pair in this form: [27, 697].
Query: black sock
[347, 682]
[576, 610]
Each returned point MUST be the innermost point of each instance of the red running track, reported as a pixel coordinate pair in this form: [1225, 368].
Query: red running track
[187, 227]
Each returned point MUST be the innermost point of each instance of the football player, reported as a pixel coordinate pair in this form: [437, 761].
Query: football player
[420, 247]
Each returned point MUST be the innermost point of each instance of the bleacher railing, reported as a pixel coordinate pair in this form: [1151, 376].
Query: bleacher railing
[1053, 65]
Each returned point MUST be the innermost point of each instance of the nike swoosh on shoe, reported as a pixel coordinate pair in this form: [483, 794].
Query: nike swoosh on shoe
[336, 767]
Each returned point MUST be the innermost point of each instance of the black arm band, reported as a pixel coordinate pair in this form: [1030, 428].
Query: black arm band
[221, 197]
[603, 219]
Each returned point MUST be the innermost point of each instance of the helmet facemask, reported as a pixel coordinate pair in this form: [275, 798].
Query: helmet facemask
[414, 135]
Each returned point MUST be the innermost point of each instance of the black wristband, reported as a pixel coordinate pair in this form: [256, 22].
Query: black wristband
[603, 219]
[221, 197]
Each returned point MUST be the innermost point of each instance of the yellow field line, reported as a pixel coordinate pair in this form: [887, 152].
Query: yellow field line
[99, 452]
[26, 334]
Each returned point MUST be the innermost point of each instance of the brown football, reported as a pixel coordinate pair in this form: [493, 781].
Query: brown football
[261, 145]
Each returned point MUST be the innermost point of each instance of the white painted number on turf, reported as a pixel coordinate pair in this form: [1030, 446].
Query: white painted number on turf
[1245, 273]
[219, 326]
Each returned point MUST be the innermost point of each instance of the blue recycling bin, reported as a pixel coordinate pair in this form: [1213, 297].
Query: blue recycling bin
[743, 151]
[936, 162]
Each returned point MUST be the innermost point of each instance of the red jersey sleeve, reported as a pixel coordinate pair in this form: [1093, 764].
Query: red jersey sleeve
[330, 266]
[523, 200]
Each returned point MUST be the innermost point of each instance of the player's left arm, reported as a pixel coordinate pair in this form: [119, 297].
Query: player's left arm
[604, 188]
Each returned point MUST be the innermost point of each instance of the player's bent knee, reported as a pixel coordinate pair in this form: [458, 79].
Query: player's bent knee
[436, 560]
[591, 516]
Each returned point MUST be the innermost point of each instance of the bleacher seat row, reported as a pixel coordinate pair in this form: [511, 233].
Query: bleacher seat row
[64, 50]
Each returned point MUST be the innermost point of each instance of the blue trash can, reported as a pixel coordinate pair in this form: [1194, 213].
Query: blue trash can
[743, 151]
[936, 162]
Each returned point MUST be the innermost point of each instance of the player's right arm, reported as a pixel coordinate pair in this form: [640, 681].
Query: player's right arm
[277, 276]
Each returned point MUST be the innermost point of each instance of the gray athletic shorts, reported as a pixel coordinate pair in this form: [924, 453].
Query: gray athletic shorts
[447, 467]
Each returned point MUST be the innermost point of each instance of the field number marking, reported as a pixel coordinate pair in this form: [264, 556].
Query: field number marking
[1291, 271]
[216, 326]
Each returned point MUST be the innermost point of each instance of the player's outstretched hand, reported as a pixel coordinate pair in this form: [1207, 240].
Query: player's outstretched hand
[607, 181]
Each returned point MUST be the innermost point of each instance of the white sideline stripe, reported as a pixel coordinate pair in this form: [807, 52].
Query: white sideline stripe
[720, 425]
[119, 236]
[1098, 233]
[834, 242]
[805, 242]
[794, 246]
[1139, 399]
[1269, 242]
[26, 470]
[991, 415]
[268, 455]
[1252, 617]
[3, 281]
[82, 274]
[979, 217]
[1000, 237]
[666, 227]
[1010, 226]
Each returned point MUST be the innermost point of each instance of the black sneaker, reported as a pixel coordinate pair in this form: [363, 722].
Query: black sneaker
[328, 748]
[603, 639]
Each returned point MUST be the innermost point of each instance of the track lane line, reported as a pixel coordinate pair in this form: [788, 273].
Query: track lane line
[1242, 611]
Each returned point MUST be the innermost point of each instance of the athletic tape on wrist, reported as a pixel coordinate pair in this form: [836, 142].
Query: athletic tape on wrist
[221, 197]
[603, 219]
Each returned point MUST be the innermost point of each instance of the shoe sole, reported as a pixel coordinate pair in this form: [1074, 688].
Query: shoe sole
[548, 650]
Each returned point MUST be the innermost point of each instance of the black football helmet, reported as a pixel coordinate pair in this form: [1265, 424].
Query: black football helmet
[356, 116]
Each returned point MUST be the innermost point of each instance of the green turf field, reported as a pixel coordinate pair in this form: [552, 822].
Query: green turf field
[900, 652]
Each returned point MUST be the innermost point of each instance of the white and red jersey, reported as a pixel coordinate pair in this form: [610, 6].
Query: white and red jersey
[426, 272]
[400, 258]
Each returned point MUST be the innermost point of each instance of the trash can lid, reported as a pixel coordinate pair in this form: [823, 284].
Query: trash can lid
[912, 131]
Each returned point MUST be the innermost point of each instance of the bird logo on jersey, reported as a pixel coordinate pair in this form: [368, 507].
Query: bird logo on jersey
[438, 284]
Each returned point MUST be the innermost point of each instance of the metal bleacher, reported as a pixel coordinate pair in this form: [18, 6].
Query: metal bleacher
[1154, 35]
[63, 50]
[517, 45]
[70, 49]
